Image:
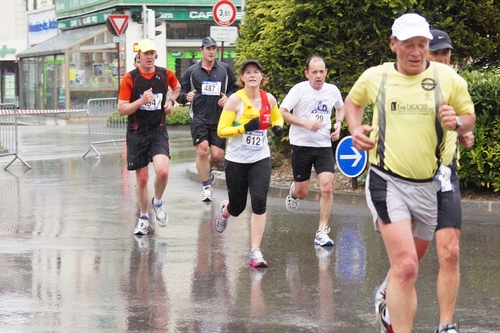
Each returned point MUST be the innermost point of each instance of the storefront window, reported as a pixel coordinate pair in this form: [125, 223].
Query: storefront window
[94, 64]
[69, 80]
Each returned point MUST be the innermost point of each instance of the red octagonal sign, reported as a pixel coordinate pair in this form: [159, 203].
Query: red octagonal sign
[224, 12]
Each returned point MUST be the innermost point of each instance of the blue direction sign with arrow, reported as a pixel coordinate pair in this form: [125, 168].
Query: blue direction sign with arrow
[350, 161]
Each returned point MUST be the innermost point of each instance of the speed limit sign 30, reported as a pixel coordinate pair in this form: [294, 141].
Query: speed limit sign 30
[224, 12]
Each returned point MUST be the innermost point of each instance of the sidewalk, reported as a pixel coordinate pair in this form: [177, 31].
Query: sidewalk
[344, 196]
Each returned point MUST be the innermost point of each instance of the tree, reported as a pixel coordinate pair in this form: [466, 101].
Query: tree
[353, 35]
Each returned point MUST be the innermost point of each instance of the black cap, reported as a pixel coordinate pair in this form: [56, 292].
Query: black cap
[440, 40]
[251, 62]
[208, 41]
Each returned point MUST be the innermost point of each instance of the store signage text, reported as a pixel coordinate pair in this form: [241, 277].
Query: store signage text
[4, 50]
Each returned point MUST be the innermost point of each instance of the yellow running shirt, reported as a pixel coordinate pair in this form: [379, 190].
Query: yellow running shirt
[408, 134]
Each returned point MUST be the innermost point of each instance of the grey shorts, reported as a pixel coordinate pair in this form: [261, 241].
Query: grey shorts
[392, 199]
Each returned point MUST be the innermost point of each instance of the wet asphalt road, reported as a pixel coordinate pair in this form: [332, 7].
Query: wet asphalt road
[69, 261]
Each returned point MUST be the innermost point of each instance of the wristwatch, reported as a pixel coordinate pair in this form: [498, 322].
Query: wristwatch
[459, 122]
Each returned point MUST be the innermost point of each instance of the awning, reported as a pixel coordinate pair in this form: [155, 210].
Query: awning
[58, 44]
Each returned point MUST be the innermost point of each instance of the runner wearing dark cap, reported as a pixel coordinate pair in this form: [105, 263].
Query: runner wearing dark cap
[207, 85]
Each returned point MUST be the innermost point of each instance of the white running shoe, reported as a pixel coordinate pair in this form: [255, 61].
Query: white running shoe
[322, 238]
[220, 221]
[381, 310]
[257, 259]
[207, 194]
[161, 216]
[448, 328]
[142, 226]
[379, 293]
[382, 313]
[291, 203]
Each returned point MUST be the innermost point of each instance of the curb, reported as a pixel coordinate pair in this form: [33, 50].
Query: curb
[353, 198]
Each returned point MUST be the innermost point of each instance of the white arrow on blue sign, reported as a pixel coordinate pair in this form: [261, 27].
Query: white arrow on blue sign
[350, 161]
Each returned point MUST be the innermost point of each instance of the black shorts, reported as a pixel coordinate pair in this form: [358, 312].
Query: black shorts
[142, 147]
[449, 206]
[303, 158]
[202, 132]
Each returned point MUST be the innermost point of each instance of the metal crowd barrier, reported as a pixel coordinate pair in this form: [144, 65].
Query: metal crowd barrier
[105, 126]
[9, 143]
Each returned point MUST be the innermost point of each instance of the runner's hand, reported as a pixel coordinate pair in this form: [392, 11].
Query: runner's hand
[277, 130]
[252, 125]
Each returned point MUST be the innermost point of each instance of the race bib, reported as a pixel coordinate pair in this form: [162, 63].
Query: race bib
[210, 88]
[444, 176]
[253, 140]
[155, 104]
[320, 112]
[320, 117]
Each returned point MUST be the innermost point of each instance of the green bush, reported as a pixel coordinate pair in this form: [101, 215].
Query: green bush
[480, 165]
[116, 119]
[179, 116]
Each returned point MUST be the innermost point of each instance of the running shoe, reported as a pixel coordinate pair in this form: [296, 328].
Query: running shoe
[257, 259]
[383, 318]
[207, 194]
[379, 293]
[322, 238]
[142, 226]
[220, 221]
[448, 328]
[381, 310]
[161, 216]
[291, 203]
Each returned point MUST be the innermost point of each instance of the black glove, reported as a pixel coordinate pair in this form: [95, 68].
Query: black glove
[252, 125]
[277, 130]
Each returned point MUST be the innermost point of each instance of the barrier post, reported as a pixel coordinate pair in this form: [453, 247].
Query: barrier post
[100, 128]
[9, 142]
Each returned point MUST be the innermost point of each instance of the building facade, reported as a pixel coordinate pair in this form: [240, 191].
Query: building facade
[13, 39]
[86, 59]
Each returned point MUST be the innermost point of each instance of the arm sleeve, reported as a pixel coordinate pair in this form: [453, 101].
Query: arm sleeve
[276, 118]
[226, 128]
